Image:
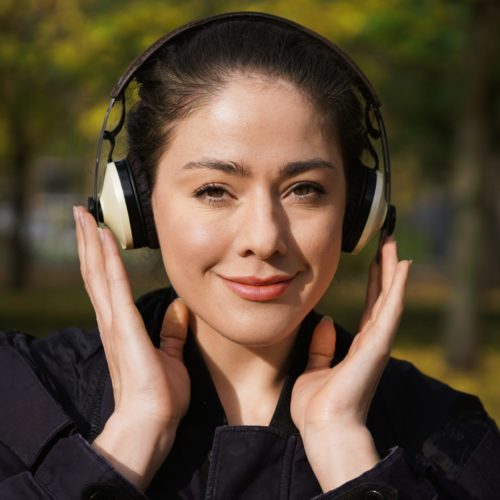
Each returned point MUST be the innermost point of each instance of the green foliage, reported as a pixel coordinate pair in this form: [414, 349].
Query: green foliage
[60, 58]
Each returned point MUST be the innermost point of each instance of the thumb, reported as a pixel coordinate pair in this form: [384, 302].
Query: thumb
[322, 347]
[174, 329]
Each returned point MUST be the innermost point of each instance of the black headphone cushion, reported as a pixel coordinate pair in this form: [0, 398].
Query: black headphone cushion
[143, 192]
[358, 202]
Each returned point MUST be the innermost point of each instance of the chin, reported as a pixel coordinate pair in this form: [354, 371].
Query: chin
[251, 324]
[263, 331]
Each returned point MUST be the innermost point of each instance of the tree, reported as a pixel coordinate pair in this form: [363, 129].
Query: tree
[31, 89]
[59, 59]
[472, 152]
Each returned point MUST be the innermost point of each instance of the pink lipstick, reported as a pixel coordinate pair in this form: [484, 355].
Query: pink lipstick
[258, 289]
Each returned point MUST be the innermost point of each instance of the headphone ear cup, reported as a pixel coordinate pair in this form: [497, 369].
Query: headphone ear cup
[366, 207]
[143, 195]
[112, 207]
[120, 206]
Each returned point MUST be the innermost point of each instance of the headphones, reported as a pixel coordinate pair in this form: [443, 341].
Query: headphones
[124, 202]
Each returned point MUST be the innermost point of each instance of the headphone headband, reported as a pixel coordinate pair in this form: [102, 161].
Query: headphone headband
[129, 73]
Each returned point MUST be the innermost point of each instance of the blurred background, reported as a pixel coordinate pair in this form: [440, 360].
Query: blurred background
[436, 66]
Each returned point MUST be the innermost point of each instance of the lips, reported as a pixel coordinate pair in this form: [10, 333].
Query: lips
[258, 289]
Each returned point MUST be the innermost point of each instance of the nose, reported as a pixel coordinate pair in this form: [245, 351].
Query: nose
[262, 229]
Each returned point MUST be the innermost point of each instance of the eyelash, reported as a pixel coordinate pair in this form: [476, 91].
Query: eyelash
[203, 192]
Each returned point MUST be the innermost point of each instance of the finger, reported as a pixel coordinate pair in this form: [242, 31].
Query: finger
[389, 262]
[127, 323]
[372, 292]
[94, 278]
[118, 284]
[174, 329]
[392, 306]
[81, 255]
[79, 240]
[322, 347]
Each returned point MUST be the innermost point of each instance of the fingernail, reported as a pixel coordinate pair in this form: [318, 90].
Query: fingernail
[327, 318]
[81, 218]
[100, 232]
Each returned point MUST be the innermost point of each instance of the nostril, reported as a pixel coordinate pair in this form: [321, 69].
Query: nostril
[262, 231]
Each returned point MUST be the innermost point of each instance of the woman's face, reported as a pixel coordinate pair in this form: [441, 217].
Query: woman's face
[248, 203]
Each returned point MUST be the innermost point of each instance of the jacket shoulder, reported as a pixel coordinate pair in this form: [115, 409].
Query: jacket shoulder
[419, 406]
[69, 363]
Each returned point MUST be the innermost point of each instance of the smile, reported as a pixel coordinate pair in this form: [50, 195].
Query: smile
[258, 289]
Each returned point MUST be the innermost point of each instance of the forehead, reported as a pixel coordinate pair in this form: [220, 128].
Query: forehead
[252, 119]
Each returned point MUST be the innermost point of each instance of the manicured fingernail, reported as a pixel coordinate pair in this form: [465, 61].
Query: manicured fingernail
[327, 318]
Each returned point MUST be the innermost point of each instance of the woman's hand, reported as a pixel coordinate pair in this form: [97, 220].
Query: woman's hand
[330, 405]
[151, 386]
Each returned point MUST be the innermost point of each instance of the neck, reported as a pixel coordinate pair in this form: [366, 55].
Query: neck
[248, 380]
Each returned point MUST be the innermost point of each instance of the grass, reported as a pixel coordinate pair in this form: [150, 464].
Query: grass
[62, 301]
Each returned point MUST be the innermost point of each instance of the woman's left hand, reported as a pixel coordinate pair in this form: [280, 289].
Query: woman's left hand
[329, 405]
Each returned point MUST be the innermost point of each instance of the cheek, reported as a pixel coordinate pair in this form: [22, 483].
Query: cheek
[187, 241]
[320, 244]
[323, 255]
[319, 236]
[182, 239]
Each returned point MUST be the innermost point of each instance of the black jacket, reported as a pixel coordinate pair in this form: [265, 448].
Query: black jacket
[56, 396]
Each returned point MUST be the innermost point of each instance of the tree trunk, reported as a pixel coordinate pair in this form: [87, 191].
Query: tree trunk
[472, 152]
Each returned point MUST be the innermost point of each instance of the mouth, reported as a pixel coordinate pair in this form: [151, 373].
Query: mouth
[258, 289]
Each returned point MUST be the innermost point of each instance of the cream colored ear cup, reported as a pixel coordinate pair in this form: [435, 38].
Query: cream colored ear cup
[114, 207]
[377, 215]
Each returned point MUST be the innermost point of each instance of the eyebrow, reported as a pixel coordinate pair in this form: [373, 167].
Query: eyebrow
[228, 167]
[290, 169]
[294, 168]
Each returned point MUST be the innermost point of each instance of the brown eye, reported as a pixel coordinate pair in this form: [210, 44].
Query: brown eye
[212, 194]
[302, 190]
[307, 190]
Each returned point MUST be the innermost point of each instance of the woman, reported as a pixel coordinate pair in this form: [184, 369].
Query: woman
[245, 140]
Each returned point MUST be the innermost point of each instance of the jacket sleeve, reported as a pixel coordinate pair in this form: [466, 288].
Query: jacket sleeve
[41, 453]
[445, 445]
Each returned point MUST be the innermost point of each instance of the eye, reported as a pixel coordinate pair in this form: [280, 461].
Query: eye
[213, 194]
[307, 191]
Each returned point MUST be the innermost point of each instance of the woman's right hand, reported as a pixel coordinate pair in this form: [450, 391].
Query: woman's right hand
[151, 385]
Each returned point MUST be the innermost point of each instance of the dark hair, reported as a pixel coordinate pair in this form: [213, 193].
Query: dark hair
[189, 71]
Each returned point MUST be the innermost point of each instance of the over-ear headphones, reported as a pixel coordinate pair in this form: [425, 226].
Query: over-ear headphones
[124, 202]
